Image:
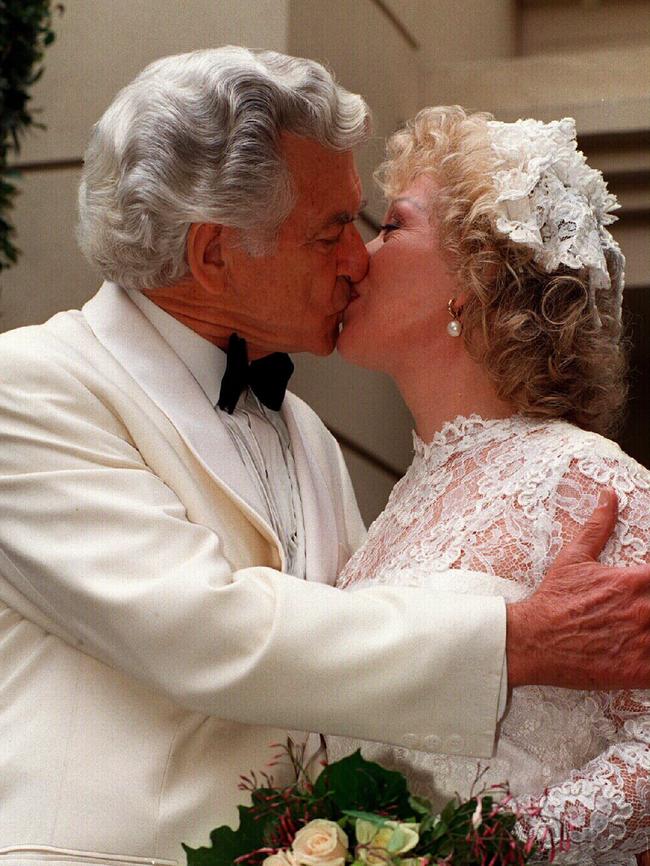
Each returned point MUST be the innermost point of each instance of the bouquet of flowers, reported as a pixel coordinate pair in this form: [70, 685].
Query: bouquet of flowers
[358, 813]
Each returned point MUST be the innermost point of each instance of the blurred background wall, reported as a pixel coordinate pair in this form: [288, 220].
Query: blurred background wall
[544, 58]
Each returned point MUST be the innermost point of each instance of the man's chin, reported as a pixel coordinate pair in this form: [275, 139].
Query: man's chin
[321, 348]
[330, 340]
[350, 350]
[343, 346]
[327, 348]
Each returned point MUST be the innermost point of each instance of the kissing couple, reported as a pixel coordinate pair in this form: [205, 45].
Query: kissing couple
[179, 536]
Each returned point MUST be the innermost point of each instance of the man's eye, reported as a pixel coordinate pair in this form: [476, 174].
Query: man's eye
[329, 242]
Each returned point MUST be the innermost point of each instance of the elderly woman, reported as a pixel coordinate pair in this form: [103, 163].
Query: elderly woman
[493, 298]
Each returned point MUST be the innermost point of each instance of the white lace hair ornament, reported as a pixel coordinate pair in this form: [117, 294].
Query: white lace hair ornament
[549, 199]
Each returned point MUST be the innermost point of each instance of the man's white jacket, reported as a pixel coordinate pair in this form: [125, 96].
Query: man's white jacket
[151, 649]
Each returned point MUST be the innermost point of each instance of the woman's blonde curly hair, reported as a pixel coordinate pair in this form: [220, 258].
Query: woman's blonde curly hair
[535, 333]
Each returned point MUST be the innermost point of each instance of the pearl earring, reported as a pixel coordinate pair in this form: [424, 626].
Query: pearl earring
[455, 327]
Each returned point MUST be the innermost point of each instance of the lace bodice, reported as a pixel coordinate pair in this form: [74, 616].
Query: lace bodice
[502, 497]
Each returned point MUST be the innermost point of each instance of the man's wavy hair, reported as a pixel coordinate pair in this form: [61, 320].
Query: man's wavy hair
[196, 138]
[534, 332]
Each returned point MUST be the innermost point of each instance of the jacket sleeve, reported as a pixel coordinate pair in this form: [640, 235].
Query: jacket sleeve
[96, 549]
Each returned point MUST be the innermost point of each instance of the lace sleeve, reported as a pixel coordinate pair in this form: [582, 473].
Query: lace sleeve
[605, 806]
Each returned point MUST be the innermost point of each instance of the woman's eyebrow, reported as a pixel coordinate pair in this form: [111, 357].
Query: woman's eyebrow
[408, 200]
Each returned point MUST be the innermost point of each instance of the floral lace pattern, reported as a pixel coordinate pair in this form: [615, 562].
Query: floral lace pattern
[502, 497]
[549, 199]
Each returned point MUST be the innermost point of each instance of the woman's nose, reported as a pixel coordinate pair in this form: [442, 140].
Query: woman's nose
[353, 256]
[373, 245]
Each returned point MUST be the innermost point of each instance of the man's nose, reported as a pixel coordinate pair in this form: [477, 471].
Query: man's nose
[353, 256]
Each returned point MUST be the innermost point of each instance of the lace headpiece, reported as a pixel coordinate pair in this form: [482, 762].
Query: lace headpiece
[549, 199]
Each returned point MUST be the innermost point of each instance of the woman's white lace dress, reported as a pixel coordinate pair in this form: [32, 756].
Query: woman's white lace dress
[502, 497]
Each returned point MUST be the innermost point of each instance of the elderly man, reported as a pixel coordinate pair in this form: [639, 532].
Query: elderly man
[168, 532]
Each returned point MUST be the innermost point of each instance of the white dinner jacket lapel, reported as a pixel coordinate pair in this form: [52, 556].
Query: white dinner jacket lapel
[138, 347]
[129, 336]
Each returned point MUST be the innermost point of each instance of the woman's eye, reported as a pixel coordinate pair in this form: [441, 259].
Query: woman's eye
[388, 227]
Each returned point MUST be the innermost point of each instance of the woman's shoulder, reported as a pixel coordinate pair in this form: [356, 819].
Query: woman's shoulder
[600, 459]
[569, 467]
[594, 462]
[587, 452]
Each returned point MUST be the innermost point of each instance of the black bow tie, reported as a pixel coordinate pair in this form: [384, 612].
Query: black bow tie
[267, 377]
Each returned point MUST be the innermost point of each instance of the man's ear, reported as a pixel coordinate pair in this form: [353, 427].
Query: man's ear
[204, 253]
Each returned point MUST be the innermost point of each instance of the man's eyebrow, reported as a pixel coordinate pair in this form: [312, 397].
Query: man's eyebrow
[345, 216]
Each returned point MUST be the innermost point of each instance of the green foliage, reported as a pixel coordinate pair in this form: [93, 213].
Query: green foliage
[352, 789]
[450, 835]
[352, 782]
[228, 844]
[356, 784]
[25, 31]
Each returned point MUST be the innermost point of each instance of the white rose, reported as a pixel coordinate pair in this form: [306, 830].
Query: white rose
[320, 843]
[282, 858]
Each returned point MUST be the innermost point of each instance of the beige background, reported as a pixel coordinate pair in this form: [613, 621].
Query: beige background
[544, 58]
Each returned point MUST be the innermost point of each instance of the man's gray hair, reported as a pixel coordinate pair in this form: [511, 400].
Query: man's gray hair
[195, 138]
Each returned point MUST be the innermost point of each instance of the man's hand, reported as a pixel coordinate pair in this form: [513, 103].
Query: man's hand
[588, 625]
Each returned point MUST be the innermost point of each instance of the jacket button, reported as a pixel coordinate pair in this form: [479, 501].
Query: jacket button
[432, 743]
[454, 744]
[411, 741]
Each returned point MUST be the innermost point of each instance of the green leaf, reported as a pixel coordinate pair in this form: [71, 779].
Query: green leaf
[199, 856]
[420, 805]
[439, 829]
[356, 784]
[396, 841]
[371, 818]
[450, 810]
[228, 844]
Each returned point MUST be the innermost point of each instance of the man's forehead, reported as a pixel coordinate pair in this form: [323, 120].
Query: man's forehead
[313, 165]
[326, 181]
[333, 202]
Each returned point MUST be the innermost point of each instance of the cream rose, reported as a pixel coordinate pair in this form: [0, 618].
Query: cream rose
[320, 843]
[282, 858]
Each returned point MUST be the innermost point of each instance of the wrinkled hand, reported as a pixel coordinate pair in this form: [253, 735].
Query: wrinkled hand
[588, 625]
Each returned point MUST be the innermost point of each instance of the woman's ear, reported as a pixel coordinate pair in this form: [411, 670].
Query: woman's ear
[204, 253]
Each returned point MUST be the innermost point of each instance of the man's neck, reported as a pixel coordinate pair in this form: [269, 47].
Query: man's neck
[189, 304]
